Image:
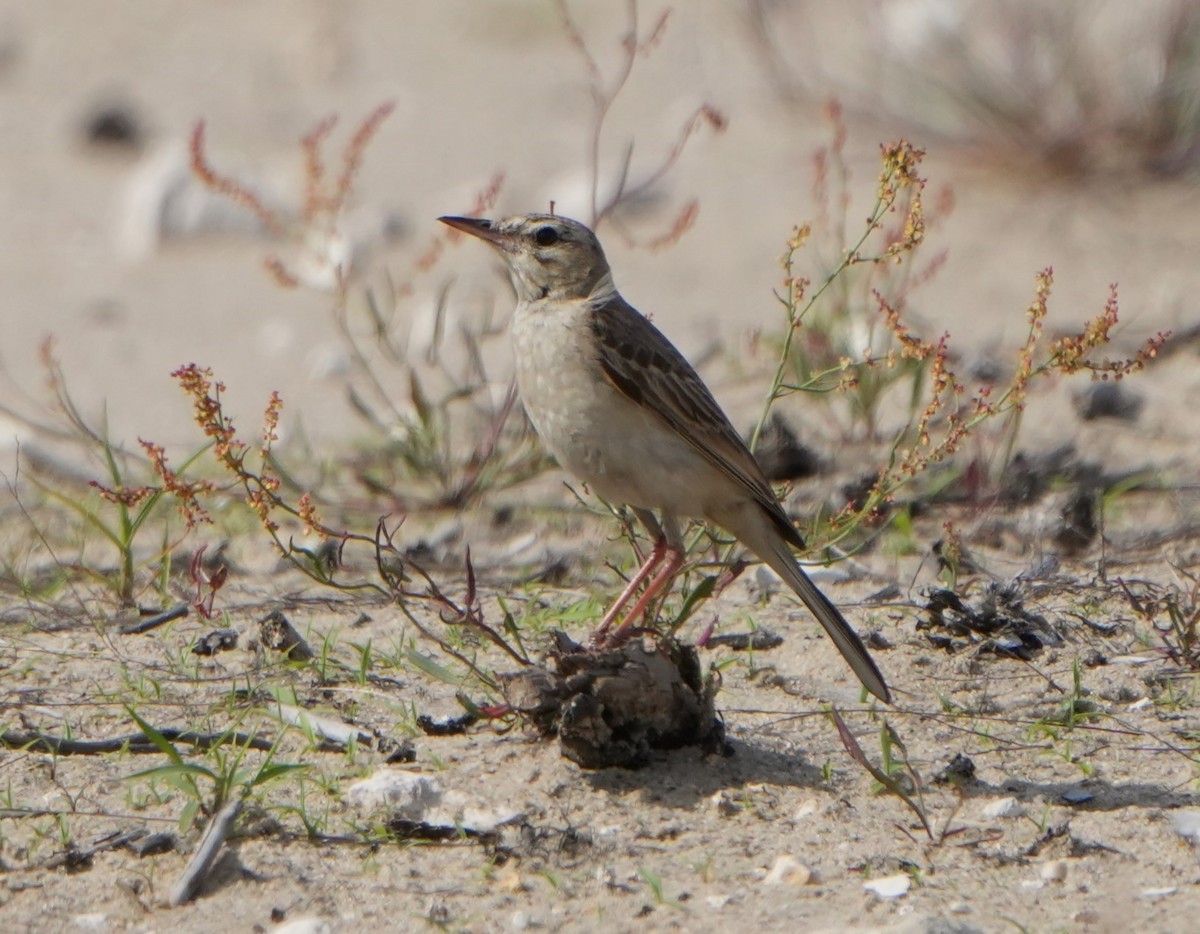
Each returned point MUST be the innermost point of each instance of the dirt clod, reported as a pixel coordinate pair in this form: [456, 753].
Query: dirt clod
[615, 707]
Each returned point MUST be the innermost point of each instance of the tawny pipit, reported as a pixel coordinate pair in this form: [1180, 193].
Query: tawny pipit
[621, 408]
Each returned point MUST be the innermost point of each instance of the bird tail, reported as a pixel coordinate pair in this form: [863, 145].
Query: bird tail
[770, 546]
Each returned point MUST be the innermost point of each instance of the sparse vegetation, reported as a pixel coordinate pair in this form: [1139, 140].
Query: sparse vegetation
[125, 704]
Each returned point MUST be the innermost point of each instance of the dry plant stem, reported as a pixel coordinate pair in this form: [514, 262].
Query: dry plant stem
[899, 173]
[132, 742]
[197, 869]
[602, 98]
[323, 201]
[856, 753]
[605, 95]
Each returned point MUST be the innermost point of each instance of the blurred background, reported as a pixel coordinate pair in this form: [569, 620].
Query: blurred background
[1060, 133]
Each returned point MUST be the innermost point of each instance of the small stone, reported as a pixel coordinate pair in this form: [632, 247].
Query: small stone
[1003, 807]
[1186, 823]
[1108, 399]
[1054, 870]
[1159, 893]
[152, 844]
[407, 795]
[509, 880]
[781, 455]
[1077, 796]
[789, 871]
[303, 926]
[958, 771]
[717, 902]
[520, 921]
[723, 804]
[808, 807]
[896, 886]
[115, 126]
[219, 640]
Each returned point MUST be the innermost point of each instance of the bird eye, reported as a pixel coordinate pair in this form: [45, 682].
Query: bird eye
[546, 236]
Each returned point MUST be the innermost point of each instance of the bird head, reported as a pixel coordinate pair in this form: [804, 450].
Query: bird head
[548, 256]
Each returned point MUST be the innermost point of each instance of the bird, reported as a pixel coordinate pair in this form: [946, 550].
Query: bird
[622, 409]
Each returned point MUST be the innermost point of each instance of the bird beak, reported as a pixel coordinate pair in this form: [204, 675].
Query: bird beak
[477, 227]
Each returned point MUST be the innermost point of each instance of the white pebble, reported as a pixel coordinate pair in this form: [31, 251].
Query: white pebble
[807, 808]
[1054, 870]
[1186, 823]
[895, 886]
[1003, 807]
[406, 794]
[789, 871]
[303, 926]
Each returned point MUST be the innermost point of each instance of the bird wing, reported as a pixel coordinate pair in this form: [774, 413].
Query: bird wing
[639, 360]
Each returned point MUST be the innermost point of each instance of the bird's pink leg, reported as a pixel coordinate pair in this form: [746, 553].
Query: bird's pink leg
[657, 553]
[662, 580]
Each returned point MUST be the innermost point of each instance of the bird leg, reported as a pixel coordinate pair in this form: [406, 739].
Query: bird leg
[648, 566]
[673, 561]
[668, 548]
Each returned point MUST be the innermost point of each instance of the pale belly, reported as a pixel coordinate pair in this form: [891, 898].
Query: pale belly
[624, 453]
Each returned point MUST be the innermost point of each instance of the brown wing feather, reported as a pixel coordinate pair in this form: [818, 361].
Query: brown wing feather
[646, 367]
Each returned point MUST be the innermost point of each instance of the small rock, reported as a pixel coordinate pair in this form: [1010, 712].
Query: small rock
[1108, 399]
[278, 634]
[1159, 893]
[896, 886]
[1133, 660]
[1054, 870]
[959, 771]
[1186, 823]
[303, 926]
[408, 795]
[717, 902]
[723, 804]
[789, 871]
[1003, 807]
[219, 640]
[509, 880]
[460, 811]
[781, 455]
[95, 921]
[1077, 796]
[807, 808]
[114, 126]
[152, 844]
[766, 581]
[520, 921]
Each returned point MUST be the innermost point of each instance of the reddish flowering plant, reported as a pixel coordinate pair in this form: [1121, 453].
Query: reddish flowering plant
[316, 231]
[943, 413]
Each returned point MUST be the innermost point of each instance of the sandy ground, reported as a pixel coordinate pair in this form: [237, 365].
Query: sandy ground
[688, 842]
